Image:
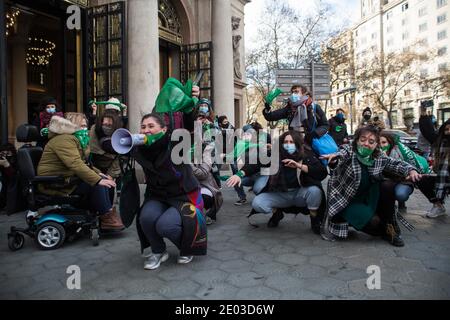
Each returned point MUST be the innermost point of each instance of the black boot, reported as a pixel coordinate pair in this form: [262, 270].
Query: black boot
[392, 235]
[277, 216]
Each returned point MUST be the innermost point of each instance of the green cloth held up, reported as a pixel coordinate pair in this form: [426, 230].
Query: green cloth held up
[364, 205]
[240, 148]
[273, 94]
[175, 97]
[413, 158]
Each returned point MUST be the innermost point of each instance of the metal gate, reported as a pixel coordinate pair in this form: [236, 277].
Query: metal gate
[107, 55]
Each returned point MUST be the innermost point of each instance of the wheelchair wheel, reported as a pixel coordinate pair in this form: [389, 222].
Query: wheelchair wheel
[50, 235]
[15, 241]
[94, 237]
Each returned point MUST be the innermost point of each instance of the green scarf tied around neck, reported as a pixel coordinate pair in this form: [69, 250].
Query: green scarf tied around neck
[364, 155]
[83, 137]
[386, 148]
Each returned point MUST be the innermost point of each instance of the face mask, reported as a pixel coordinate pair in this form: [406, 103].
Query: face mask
[340, 117]
[107, 130]
[364, 152]
[51, 110]
[152, 138]
[224, 124]
[366, 116]
[295, 97]
[289, 147]
[386, 148]
[83, 137]
[204, 110]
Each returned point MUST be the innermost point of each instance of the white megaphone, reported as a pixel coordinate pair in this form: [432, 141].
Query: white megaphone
[123, 140]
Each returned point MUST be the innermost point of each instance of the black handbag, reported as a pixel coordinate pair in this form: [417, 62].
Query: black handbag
[130, 198]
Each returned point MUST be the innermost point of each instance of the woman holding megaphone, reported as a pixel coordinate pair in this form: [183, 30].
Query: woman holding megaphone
[173, 206]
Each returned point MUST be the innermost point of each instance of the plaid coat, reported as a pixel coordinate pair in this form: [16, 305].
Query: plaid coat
[345, 179]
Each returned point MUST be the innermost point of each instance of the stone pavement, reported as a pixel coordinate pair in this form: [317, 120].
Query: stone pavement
[289, 262]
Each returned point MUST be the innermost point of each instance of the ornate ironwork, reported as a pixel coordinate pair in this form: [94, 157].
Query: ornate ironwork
[194, 58]
[169, 22]
[107, 60]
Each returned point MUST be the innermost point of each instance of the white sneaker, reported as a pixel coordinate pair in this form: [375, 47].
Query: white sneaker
[154, 260]
[185, 259]
[436, 211]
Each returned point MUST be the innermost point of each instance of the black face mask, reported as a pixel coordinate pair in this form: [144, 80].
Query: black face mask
[366, 116]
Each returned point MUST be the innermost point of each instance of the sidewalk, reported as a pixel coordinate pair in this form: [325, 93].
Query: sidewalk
[243, 262]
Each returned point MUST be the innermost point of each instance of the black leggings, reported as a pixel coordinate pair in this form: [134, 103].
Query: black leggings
[385, 210]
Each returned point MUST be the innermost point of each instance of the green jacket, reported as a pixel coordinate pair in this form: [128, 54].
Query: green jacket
[64, 157]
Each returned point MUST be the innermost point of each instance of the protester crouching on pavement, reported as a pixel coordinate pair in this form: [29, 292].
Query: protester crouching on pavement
[212, 197]
[299, 111]
[357, 193]
[393, 148]
[338, 128]
[440, 141]
[173, 206]
[66, 155]
[102, 154]
[297, 182]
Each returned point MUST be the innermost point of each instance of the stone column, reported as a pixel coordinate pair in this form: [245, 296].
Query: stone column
[223, 79]
[143, 59]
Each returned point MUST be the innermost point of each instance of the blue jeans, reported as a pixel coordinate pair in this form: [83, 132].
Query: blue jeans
[402, 192]
[98, 198]
[239, 189]
[309, 197]
[256, 181]
[159, 221]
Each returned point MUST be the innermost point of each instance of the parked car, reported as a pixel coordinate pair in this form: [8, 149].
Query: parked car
[405, 138]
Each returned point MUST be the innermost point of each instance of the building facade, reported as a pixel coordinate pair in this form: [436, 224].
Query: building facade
[124, 49]
[396, 26]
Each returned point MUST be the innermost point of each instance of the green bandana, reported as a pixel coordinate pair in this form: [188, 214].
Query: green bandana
[365, 155]
[44, 132]
[83, 137]
[338, 128]
[152, 138]
[386, 148]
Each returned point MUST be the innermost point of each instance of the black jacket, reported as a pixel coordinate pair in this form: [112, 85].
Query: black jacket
[288, 113]
[340, 135]
[427, 129]
[316, 172]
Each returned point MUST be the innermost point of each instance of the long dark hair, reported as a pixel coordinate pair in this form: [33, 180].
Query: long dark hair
[112, 114]
[390, 140]
[367, 129]
[299, 144]
[441, 141]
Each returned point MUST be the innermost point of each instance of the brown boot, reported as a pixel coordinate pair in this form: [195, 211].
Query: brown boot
[111, 221]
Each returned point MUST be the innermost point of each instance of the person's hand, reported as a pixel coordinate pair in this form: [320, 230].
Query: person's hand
[267, 107]
[4, 163]
[234, 180]
[328, 157]
[107, 183]
[414, 176]
[345, 140]
[291, 164]
[195, 91]
[94, 108]
[269, 146]
[105, 176]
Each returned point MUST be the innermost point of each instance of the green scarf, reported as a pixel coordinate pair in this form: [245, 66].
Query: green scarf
[386, 148]
[83, 137]
[152, 138]
[364, 155]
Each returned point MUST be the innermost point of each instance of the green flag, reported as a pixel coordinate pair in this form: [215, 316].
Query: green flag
[175, 97]
[273, 94]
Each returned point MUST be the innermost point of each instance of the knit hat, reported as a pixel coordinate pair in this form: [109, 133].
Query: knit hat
[247, 127]
[115, 104]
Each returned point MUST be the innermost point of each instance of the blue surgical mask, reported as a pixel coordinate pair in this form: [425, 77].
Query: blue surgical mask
[289, 147]
[203, 110]
[51, 110]
[295, 97]
[340, 116]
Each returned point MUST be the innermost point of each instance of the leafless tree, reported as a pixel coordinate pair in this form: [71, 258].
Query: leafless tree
[386, 76]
